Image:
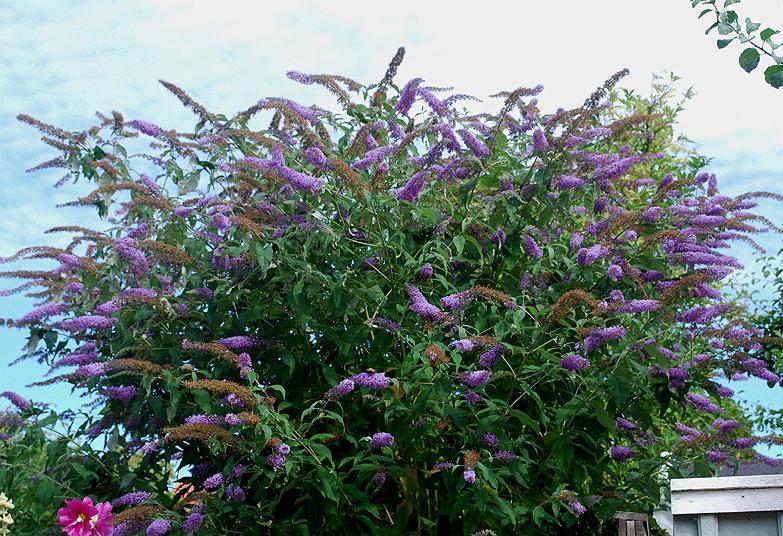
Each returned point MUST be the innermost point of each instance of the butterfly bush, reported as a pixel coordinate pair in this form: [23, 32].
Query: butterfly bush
[394, 313]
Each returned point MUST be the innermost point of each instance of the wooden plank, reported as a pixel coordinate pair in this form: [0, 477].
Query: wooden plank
[634, 516]
[727, 501]
[708, 525]
[641, 528]
[727, 482]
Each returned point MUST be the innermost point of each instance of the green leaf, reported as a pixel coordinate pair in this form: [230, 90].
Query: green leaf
[749, 59]
[766, 33]
[459, 244]
[539, 515]
[774, 76]
[727, 3]
[725, 29]
[708, 30]
[722, 43]
[708, 10]
[750, 25]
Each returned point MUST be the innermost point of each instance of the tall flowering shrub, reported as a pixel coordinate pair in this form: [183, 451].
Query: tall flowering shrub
[398, 316]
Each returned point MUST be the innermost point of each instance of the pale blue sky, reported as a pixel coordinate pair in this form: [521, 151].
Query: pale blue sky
[62, 61]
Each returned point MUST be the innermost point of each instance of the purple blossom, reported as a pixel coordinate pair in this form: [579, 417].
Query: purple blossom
[284, 449]
[470, 476]
[425, 272]
[624, 424]
[744, 443]
[725, 427]
[472, 397]
[240, 341]
[340, 390]
[569, 182]
[615, 272]
[532, 249]
[408, 96]
[204, 292]
[421, 306]
[232, 419]
[640, 306]
[145, 127]
[370, 380]
[474, 144]
[464, 345]
[540, 143]
[316, 157]
[131, 499]
[442, 466]
[704, 220]
[126, 248]
[577, 507]
[91, 370]
[45, 311]
[587, 256]
[194, 520]
[574, 362]
[413, 188]
[717, 456]
[235, 493]
[498, 237]
[490, 440]
[457, 301]
[127, 528]
[276, 461]
[213, 482]
[209, 420]
[702, 402]
[149, 447]
[723, 391]
[491, 356]
[621, 453]
[505, 456]
[109, 307]
[381, 439]
[389, 325]
[476, 378]
[380, 479]
[576, 240]
[122, 392]
[81, 323]
[434, 102]
[159, 527]
[300, 181]
[602, 336]
[17, 400]
[74, 287]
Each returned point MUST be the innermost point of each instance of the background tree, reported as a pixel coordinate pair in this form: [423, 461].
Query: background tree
[757, 43]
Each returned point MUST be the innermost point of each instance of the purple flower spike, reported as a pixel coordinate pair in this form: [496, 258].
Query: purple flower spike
[621, 453]
[381, 439]
[574, 362]
[474, 379]
[703, 403]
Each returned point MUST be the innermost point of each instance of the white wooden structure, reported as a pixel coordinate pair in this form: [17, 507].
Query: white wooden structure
[728, 506]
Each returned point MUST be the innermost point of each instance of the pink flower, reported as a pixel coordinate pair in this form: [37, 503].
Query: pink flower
[82, 518]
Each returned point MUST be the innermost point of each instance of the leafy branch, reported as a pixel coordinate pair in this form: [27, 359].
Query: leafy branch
[728, 24]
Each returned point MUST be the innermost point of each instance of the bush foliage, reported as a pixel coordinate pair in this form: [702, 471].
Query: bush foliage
[399, 316]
